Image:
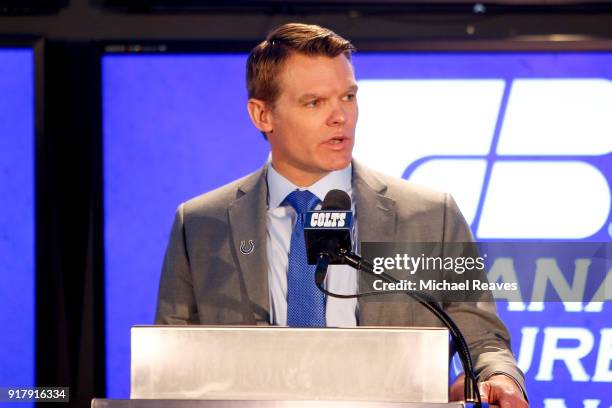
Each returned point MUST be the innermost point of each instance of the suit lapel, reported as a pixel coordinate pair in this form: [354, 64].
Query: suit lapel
[376, 218]
[247, 218]
[375, 212]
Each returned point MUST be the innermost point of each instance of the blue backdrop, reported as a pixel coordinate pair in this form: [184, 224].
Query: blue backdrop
[17, 291]
[522, 140]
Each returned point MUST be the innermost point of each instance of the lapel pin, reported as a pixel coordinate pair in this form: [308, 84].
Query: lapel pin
[247, 247]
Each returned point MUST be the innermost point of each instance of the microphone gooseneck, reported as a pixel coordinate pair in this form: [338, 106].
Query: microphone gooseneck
[339, 200]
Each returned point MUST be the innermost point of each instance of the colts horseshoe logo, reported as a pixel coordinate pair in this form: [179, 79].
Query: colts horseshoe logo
[247, 247]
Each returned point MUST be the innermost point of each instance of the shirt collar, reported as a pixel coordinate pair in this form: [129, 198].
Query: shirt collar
[279, 187]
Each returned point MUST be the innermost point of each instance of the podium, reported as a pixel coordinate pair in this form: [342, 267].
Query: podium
[278, 367]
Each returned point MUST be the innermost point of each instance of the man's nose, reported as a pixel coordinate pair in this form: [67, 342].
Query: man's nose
[337, 116]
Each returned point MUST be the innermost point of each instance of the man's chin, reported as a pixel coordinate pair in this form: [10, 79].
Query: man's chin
[340, 164]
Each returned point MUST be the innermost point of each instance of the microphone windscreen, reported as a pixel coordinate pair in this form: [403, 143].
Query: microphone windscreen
[336, 200]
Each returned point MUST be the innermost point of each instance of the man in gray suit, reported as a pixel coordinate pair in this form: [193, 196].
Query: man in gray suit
[229, 257]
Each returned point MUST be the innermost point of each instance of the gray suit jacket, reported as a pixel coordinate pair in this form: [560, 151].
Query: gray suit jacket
[207, 280]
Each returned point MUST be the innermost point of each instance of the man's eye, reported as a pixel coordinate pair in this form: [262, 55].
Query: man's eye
[349, 97]
[313, 103]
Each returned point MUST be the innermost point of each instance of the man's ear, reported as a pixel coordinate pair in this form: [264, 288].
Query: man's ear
[260, 114]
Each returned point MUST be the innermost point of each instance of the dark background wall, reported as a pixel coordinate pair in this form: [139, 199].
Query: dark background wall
[87, 20]
[70, 262]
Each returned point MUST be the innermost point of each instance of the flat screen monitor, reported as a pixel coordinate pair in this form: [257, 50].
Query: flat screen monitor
[521, 139]
[17, 216]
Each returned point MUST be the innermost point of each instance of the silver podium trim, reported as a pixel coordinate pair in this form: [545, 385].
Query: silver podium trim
[149, 403]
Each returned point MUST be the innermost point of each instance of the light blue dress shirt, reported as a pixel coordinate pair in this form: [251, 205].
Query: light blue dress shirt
[279, 224]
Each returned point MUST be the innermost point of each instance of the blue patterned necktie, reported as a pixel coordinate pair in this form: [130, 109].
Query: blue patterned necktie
[305, 302]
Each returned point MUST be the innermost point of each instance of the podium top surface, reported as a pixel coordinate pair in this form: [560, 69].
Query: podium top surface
[226, 328]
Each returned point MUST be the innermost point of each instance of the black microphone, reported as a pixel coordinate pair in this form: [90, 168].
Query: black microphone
[336, 200]
[327, 233]
[328, 230]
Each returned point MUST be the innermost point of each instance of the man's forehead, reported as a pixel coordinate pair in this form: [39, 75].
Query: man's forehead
[298, 62]
[314, 74]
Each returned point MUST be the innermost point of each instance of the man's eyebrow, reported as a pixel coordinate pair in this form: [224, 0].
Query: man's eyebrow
[311, 96]
[307, 97]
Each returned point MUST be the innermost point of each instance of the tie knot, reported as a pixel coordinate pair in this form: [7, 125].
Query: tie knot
[302, 201]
